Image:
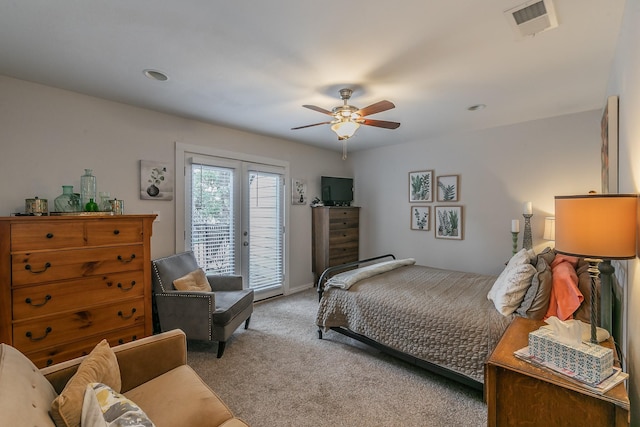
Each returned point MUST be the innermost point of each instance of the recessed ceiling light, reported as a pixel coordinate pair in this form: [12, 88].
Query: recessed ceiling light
[476, 107]
[156, 75]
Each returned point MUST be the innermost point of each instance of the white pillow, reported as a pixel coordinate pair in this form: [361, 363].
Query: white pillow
[104, 407]
[510, 287]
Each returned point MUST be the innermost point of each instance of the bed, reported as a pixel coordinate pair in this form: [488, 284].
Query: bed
[440, 320]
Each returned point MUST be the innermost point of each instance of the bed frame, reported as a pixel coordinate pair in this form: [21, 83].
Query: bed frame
[424, 364]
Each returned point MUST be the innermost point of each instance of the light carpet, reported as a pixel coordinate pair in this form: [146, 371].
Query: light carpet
[278, 373]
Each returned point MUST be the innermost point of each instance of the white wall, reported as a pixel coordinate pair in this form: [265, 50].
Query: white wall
[625, 82]
[49, 136]
[499, 170]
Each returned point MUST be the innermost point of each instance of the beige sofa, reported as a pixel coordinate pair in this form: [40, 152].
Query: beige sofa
[154, 375]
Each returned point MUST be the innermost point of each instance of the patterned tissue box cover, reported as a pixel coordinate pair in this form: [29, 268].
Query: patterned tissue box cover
[590, 363]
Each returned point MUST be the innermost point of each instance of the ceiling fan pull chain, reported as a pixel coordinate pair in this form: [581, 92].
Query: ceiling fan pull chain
[344, 149]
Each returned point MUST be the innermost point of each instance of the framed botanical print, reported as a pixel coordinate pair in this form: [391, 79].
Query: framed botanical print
[421, 186]
[421, 218]
[448, 188]
[156, 180]
[298, 192]
[448, 222]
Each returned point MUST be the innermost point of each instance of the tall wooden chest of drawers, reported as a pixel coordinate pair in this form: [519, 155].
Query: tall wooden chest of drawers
[335, 237]
[67, 282]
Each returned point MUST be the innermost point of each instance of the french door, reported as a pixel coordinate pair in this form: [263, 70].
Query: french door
[235, 220]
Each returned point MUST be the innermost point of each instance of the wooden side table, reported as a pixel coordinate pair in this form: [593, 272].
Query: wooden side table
[518, 393]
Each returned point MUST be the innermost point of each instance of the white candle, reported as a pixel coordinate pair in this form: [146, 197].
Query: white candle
[515, 226]
[528, 208]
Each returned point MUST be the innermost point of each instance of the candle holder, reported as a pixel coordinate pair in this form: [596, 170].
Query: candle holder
[527, 242]
[514, 237]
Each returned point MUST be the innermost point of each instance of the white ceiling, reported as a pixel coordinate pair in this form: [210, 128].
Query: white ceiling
[252, 64]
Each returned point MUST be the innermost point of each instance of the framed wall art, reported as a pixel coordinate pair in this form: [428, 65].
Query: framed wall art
[448, 222]
[421, 186]
[298, 192]
[448, 188]
[156, 180]
[609, 148]
[421, 218]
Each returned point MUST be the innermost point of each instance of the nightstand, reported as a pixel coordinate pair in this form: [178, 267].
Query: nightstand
[518, 393]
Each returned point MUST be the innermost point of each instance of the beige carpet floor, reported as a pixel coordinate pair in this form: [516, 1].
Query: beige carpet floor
[278, 373]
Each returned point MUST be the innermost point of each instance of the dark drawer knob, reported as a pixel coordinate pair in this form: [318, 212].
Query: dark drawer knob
[116, 232]
[49, 235]
[131, 258]
[46, 266]
[121, 314]
[31, 303]
[32, 338]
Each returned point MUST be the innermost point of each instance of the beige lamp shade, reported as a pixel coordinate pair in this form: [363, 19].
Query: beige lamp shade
[597, 225]
[549, 228]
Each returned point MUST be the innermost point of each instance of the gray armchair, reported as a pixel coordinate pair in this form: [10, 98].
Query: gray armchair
[206, 316]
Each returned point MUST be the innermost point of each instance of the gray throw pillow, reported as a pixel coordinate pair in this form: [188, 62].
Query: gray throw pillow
[536, 300]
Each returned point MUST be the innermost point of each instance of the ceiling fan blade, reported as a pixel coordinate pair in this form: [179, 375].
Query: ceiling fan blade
[318, 109]
[308, 126]
[381, 124]
[378, 107]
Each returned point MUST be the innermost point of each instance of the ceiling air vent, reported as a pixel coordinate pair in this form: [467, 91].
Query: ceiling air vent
[532, 17]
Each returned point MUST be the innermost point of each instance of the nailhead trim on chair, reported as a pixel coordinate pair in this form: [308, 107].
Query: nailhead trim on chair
[181, 295]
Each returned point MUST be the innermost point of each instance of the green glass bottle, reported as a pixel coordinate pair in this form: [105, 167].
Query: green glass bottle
[91, 206]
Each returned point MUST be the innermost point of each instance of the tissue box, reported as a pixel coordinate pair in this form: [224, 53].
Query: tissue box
[590, 363]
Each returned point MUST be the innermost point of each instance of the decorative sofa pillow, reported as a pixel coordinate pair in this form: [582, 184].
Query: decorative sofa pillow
[104, 407]
[194, 281]
[25, 394]
[101, 365]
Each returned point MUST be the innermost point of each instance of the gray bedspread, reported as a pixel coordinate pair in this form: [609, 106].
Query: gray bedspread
[440, 316]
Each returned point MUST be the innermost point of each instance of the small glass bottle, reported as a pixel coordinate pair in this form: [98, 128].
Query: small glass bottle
[91, 206]
[87, 187]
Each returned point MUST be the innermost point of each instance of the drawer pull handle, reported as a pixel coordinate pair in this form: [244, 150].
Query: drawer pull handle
[46, 266]
[121, 314]
[131, 258]
[49, 235]
[46, 332]
[49, 362]
[30, 302]
[133, 283]
[122, 341]
[116, 232]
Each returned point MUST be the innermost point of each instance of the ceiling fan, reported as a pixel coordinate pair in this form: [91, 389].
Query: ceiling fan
[347, 118]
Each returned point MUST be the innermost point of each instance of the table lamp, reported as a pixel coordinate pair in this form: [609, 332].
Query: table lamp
[596, 227]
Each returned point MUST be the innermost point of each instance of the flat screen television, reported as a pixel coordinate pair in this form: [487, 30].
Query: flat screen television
[336, 191]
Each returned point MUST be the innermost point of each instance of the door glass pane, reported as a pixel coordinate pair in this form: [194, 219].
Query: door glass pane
[212, 225]
[265, 230]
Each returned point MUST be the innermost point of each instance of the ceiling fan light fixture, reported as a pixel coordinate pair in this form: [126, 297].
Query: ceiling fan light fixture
[345, 129]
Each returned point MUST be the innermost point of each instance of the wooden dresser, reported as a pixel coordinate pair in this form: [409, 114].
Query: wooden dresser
[335, 237]
[518, 393]
[67, 282]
